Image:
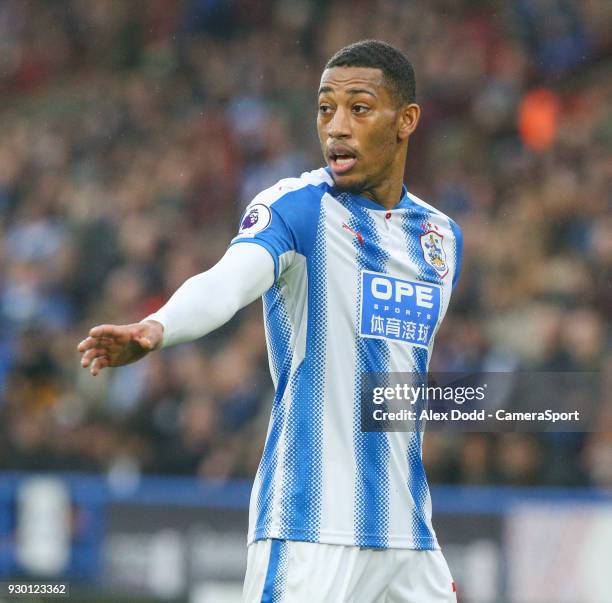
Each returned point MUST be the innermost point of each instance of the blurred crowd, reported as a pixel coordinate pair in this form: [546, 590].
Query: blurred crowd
[133, 134]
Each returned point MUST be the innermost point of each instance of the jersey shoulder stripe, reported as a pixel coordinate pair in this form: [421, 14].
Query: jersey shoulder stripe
[427, 206]
[286, 186]
[284, 218]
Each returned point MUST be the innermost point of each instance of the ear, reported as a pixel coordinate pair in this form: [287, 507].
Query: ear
[408, 119]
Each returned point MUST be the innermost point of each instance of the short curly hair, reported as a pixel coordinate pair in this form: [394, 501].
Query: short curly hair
[396, 68]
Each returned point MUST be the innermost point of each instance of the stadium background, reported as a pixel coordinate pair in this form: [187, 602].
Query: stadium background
[132, 135]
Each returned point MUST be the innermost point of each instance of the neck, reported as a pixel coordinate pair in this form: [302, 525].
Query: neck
[388, 192]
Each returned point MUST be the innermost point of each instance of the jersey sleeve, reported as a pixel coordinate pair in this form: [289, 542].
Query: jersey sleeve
[208, 300]
[283, 221]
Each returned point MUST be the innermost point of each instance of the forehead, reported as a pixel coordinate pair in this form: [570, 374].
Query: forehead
[344, 78]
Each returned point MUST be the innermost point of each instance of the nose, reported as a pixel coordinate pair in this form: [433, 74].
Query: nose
[339, 124]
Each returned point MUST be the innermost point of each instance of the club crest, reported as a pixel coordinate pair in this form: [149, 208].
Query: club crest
[432, 244]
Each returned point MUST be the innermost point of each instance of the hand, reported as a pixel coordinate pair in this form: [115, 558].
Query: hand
[116, 345]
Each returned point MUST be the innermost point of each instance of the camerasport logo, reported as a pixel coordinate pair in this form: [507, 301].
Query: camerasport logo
[256, 218]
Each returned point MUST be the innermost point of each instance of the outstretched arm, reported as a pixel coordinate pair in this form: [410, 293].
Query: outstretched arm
[200, 305]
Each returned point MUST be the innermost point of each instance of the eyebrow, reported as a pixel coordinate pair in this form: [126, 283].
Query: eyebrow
[325, 89]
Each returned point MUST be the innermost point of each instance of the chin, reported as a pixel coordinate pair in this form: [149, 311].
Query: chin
[348, 183]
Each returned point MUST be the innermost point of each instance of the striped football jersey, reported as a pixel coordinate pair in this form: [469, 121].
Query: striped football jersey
[358, 289]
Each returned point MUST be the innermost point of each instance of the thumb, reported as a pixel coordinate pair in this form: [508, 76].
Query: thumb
[145, 342]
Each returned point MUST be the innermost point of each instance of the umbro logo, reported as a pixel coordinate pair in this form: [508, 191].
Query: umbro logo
[355, 233]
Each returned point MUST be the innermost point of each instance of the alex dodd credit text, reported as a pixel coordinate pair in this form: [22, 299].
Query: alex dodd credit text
[546, 416]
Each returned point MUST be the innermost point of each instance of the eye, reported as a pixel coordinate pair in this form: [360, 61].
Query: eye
[360, 109]
[324, 109]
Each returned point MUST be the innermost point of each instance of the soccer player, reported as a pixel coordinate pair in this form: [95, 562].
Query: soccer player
[356, 275]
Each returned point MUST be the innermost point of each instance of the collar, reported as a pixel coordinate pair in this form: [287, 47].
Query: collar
[403, 203]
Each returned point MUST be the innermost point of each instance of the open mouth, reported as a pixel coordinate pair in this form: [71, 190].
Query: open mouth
[341, 160]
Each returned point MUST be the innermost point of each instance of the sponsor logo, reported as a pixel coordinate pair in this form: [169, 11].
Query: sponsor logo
[256, 218]
[397, 309]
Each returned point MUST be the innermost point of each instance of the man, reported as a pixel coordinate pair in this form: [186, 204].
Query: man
[356, 275]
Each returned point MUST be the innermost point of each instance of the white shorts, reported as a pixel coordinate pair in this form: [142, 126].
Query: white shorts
[283, 571]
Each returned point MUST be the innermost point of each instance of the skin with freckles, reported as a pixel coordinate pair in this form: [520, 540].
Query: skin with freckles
[364, 134]
[358, 114]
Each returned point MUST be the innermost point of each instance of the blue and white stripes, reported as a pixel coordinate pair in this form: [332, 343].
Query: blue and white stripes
[414, 220]
[276, 576]
[372, 355]
[300, 506]
[278, 334]
[321, 478]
